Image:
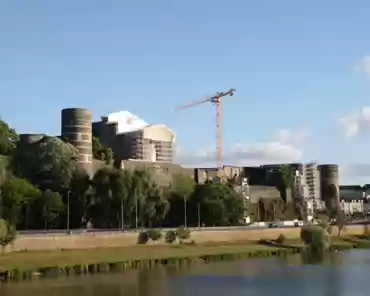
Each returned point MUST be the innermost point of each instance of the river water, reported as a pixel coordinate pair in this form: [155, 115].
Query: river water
[343, 274]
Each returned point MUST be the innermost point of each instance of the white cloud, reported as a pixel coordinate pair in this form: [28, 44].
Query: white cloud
[356, 122]
[364, 65]
[283, 147]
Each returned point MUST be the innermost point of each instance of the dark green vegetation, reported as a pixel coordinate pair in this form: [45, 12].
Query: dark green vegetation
[26, 265]
[42, 188]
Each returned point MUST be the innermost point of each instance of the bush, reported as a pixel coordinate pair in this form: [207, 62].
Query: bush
[154, 234]
[316, 238]
[183, 233]
[143, 238]
[281, 239]
[170, 236]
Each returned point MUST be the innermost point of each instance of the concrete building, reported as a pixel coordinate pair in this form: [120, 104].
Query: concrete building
[76, 129]
[308, 186]
[132, 138]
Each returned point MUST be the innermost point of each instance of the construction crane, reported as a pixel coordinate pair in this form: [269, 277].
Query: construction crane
[216, 101]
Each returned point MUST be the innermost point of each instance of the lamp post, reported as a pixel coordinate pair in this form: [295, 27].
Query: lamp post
[1, 205]
[136, 209]
[68, 198]
[121, 213]
[185, 214]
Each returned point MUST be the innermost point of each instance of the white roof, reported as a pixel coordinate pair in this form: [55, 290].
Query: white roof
[126, 121]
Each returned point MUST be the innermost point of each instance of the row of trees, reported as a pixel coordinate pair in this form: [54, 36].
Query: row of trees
[42, 187]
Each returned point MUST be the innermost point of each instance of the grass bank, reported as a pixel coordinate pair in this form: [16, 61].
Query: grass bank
[25, 265]
[28, 265]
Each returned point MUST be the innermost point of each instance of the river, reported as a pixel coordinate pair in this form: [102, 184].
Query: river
[343, 274]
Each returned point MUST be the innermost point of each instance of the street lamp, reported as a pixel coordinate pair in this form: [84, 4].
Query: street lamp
[1, 205]
[68, 197]
[185, 214]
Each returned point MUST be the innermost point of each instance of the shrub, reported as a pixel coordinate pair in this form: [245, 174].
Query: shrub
[316, 238]
[183, 233]
[281, 239]
[170, 236]
[154, 234]
[143, 238]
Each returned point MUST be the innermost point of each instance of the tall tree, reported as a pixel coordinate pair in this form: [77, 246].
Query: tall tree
[101, 152]
[220, 205]
[8, 139]
[120, 182]
[183, 184]
[49, 163]
[51, 207]
[17, 194]
[140, 188]
[288, 177]
[102, 208]
[80, 198]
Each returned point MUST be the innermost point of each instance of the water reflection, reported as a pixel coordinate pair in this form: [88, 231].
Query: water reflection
[342, 274]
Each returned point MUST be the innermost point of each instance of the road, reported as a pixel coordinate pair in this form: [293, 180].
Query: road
[62, 232]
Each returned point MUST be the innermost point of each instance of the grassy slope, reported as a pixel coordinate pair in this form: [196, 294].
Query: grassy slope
[29, 260]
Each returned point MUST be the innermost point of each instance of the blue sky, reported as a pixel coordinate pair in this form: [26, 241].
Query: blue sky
[298, 68]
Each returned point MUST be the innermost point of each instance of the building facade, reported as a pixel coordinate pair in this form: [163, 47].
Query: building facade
[133, 138]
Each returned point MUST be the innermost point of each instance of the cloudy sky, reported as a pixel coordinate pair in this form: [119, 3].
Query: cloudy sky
[301, 70]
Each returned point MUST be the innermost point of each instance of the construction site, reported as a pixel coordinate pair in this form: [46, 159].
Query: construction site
[136, 143]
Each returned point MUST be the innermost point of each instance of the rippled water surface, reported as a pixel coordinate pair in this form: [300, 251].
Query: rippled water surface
[344, 274]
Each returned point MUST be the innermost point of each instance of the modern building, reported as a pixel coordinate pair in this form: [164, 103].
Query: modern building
[130, 137]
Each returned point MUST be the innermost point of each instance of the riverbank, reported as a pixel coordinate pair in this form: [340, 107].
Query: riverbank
[129, 239]
[27, 265]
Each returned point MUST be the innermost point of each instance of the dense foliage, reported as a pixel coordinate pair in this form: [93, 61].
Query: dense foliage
[101, 152]
[44, 188]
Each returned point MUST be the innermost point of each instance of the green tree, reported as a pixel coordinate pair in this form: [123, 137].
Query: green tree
[49, 163]
[141, 187]
[8, 139]
[80, 199]
[155, 208]
[183, 184]
[101, 152]
[120, 182]
[288, 176]
[102, 210]
[52, 206]
[7, 234]
[17, 195]
[316, 238]
[220, 205]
